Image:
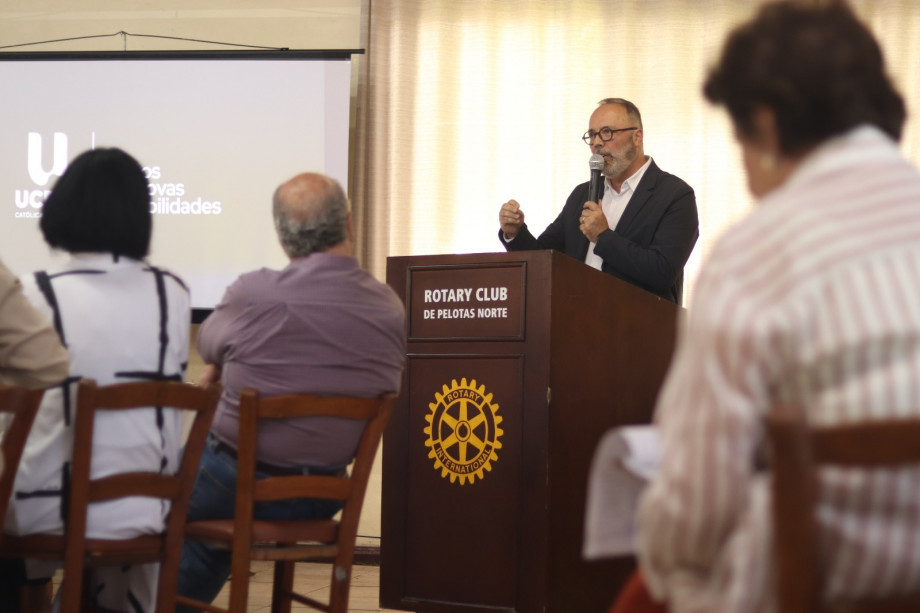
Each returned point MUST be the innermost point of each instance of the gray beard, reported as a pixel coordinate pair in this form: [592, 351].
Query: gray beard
[616, 165]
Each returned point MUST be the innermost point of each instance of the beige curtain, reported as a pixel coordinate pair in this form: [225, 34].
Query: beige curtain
[467, 103]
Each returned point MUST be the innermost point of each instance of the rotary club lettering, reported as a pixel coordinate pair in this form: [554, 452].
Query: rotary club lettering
[466, 295]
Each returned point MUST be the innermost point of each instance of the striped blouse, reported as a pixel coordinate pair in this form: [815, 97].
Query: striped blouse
[811, 300]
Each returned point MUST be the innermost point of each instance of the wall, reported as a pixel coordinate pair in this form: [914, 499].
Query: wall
[295, 24]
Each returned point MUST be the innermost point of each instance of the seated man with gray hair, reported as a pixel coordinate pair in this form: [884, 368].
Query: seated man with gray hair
[322, 325]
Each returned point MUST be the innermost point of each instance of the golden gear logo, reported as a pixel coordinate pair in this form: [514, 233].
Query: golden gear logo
[463, 431]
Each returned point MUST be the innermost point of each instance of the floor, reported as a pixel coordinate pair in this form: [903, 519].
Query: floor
[310, 579]
[313, 580]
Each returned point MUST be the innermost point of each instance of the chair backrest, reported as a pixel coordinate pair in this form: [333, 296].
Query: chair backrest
[21, 405]
[350, 490]
[797, 452]
[177, 488]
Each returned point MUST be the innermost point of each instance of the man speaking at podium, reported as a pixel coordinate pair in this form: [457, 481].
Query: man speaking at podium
[643, 224]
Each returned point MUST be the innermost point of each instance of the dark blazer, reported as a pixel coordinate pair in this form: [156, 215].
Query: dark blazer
[649, 246]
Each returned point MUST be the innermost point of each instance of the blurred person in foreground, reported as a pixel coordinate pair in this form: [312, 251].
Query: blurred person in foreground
[121, 320]
[645, 223]
[322, 325]
[31, 353]
[809, 301]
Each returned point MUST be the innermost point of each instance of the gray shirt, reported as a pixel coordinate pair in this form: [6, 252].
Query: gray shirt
[322, 325]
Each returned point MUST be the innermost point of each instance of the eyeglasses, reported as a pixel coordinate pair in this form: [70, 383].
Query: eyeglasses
[605, 133]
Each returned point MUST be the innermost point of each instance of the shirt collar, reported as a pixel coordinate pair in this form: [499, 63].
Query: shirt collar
[106, 261]
[634, 179]
[324, 258]
[853, 146]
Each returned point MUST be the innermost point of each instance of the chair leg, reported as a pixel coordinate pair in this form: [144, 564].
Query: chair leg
[282, 585]
[338, 592]
[36, 597]
[239, 589]
[71, 593]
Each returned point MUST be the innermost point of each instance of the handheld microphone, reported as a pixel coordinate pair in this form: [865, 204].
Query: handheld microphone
[596, 187]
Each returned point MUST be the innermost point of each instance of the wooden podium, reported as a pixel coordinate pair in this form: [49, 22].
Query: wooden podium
[517, 364]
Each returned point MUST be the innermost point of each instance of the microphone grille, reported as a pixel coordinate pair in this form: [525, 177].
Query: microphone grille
[596, 162]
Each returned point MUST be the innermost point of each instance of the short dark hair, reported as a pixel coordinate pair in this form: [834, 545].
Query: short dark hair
[631, 109]
[325, 227]
[816, 66]
[101, 204]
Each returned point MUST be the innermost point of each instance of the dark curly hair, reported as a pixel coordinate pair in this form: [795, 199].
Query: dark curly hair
[815, 65]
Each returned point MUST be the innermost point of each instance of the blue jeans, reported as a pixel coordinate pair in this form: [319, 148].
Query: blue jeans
[203, 570]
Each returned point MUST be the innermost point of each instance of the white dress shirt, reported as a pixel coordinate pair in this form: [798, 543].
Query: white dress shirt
[613, 204]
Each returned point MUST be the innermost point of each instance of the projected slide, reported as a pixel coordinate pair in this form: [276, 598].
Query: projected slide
[215, 137]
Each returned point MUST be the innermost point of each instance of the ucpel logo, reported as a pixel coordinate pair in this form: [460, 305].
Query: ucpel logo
[463, 432]
[36, 197]
[165, 198]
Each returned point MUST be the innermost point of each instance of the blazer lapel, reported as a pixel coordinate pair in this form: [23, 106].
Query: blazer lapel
[640, 198]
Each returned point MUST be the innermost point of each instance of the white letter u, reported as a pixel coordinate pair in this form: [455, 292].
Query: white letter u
[36, 171]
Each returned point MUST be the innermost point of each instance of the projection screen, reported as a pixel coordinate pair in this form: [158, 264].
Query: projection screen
[216, 132]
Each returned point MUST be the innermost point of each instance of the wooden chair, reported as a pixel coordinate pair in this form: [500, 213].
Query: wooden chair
[80, 553]
[287, 542]
[22, 405]
[797, 452]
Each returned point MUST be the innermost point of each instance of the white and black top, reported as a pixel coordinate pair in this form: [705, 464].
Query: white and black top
[121, 320]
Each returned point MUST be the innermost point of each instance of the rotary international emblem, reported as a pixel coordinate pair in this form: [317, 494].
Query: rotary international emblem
[463, 432]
